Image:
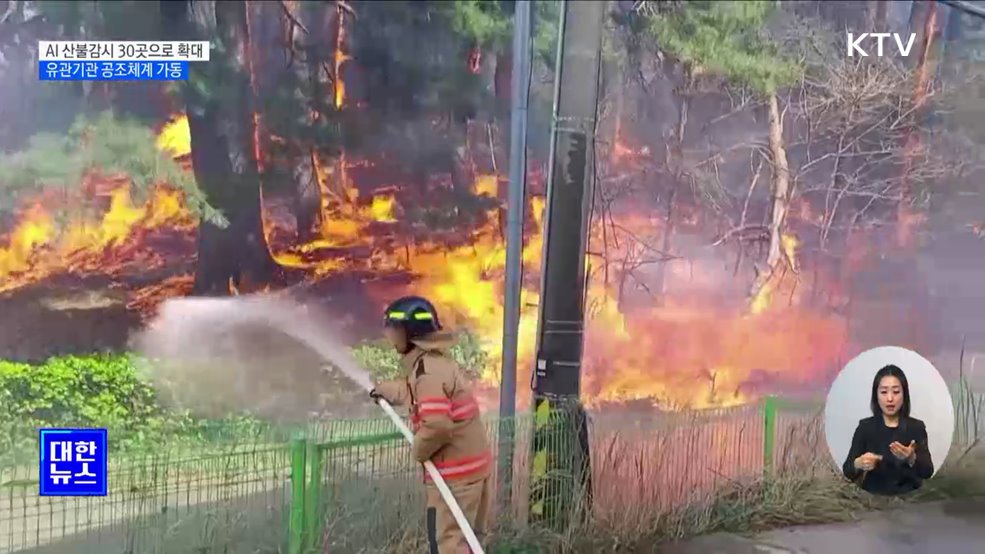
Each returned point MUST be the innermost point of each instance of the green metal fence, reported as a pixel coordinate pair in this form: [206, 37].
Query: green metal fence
[351, 486]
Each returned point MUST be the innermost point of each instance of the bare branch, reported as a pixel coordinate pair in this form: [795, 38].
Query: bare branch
[294, 20]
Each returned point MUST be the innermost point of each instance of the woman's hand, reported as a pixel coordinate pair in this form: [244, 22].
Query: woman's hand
[904, 452]
[867, 461]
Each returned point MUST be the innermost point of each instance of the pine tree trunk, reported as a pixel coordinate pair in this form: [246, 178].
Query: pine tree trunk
[781, 183]
[305, 58]
[224, 157]
[781, 195]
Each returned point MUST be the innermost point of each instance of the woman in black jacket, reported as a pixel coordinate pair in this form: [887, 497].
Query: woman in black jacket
[889, 453]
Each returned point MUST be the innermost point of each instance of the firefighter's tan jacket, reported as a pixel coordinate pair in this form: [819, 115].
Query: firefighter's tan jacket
[443, 410]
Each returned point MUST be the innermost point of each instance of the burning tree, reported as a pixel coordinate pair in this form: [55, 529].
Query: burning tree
[724, 39]
[852, 143]
[819, 110]
[222, 118]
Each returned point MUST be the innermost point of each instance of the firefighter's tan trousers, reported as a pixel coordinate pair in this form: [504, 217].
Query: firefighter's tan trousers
[475, 499]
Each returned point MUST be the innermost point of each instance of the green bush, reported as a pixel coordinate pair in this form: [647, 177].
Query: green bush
[86, 391]
[102, 391]
[469, 355]
[383, 362]
[108, 391]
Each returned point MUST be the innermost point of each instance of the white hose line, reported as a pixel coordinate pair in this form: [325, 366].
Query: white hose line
[438, 480]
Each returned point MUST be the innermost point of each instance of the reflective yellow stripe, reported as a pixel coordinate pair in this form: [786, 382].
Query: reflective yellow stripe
[538, 471]
[543, 414]
[542, 418]
[540, 464]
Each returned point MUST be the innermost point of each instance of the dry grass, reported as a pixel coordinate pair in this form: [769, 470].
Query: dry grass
[688, 475]
[656, 478]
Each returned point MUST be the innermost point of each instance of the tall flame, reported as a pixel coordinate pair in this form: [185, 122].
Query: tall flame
[694, 348]
[37, 247]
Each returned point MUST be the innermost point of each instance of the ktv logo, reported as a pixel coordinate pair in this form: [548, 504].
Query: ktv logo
[855, 43]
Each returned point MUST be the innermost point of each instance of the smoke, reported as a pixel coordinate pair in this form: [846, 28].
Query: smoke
[268, 356]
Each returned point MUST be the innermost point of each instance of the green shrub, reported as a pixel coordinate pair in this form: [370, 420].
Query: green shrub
[383, 362]
[469, 355]
[86, 391]
[103, 391]
[108, 391]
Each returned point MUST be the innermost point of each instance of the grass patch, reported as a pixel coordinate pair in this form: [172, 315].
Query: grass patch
[103, 391]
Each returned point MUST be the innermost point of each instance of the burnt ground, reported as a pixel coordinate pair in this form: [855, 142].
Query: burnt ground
[41, 322]
[72, 315]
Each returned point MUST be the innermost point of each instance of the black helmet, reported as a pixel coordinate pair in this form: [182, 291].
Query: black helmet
[414, 314]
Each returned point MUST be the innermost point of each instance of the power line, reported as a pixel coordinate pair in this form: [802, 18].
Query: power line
[966, 7]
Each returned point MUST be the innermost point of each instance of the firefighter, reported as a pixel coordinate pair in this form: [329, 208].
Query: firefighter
[445, 419]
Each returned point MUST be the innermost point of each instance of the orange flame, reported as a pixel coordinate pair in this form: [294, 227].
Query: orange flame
[176, 138]
[38, 248]
[340, 58]
[692, 349]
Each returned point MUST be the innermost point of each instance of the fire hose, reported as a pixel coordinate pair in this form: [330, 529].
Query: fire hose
[437, 479]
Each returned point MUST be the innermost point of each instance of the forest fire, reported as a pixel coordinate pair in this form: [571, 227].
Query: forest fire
[40, 245]
[175, 137]
[690, 349]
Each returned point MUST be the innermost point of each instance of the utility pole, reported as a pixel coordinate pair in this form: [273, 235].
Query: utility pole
[514, 245]
[560, 458]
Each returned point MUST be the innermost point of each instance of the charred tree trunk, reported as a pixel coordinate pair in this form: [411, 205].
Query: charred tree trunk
[675, 166]
[337, 184]
[460, 120]
[224, 156]
[923, 21]
[307, 206]
[502, 79]
[304, 59]
[781, 195]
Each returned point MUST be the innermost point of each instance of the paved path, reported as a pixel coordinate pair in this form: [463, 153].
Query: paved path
[952, 527]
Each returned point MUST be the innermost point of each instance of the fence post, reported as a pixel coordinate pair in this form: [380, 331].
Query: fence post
[295, 539]
[313, 497]
[769, 432]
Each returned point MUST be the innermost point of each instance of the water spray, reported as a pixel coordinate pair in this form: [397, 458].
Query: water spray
[171, 335]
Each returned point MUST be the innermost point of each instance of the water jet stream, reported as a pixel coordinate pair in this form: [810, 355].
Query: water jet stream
[172, 336]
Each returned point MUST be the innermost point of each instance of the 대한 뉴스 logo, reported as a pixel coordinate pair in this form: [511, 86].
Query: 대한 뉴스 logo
[73, 462]
[864, 43]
